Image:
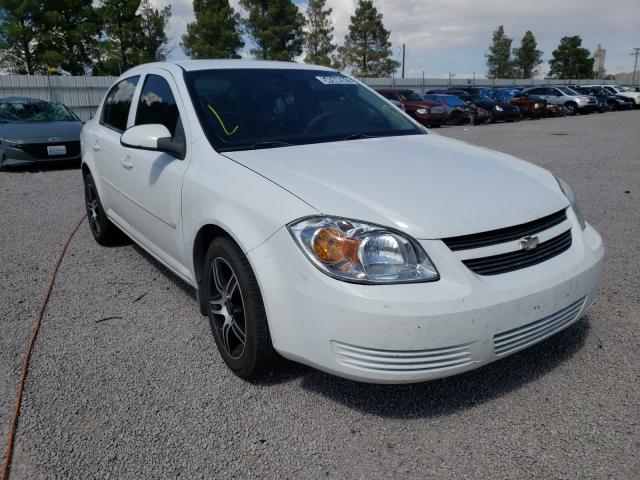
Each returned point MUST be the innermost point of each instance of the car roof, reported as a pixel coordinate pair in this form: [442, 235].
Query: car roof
[191, 65]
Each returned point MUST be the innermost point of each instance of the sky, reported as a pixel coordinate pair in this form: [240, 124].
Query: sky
[443, 36]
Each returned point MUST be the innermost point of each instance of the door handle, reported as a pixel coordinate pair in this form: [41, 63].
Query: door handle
[124, 161]
[96, 147]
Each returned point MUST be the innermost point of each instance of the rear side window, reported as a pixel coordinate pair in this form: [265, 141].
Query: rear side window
[118, 102]
[157, 104]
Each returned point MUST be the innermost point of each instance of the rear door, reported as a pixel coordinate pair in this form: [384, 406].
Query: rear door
[152, 181]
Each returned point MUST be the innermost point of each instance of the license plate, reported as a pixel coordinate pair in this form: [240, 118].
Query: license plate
[56, 150]
[437, 110]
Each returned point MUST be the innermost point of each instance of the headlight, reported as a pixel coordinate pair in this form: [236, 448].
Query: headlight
[360, 252]
[536, 105]
[566, 189]
[498, 108]
[422, 111]
[9, 143]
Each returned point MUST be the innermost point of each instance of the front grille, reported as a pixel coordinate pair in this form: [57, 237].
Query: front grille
[402, 361]
[521, 337]
[508, 262]
[39, 150]
[501, 235]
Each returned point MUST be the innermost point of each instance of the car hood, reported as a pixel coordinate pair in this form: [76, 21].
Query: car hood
[426, 185]
[421, 104]
[41, 132]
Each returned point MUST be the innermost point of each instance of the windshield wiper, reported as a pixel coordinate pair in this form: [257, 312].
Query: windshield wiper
[358, 136]
[273, 144]
[256, 146]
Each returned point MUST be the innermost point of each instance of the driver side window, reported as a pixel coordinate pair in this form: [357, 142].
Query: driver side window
[157, 104]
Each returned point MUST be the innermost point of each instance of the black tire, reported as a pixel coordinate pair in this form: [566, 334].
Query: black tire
[572, 108]
[457, 118]
[104, 232]
[236, 312]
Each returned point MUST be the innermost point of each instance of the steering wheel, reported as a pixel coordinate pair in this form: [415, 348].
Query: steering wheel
[322, 117]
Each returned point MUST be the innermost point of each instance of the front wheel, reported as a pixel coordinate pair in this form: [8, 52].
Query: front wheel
[572, 108]
[236, 311]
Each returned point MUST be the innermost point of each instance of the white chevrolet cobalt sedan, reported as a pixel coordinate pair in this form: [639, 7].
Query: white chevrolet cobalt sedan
[319, 222]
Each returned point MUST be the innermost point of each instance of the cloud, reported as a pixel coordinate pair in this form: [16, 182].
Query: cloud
[444, 36]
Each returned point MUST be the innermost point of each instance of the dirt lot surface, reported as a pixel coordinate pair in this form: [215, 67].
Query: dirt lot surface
[145, 394]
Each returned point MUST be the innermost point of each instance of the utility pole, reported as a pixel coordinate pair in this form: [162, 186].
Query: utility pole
[403, 60]
[636, 52]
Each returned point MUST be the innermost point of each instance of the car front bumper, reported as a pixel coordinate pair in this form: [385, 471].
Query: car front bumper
[422, 331]
[13, 157]
[432, 119]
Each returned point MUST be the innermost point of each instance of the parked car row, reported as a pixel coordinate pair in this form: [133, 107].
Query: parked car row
[34, 130]
[478, 105]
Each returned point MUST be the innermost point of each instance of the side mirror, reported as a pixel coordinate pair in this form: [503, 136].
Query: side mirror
[154, 137]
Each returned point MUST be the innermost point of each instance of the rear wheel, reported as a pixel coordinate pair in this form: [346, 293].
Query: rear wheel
[104, 232]
[236, 311]
[572, 108]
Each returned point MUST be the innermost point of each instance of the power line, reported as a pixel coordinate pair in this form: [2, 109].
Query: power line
[636, 52]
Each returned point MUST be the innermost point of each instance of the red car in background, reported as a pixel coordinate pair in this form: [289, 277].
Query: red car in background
[459, 112]
[429, 114]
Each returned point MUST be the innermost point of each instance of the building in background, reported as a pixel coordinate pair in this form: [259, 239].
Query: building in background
[598, 63]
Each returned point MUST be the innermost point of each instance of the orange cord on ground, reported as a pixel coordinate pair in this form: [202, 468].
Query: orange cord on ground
[27, 357]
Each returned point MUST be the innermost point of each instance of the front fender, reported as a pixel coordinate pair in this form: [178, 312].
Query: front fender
[247, 206]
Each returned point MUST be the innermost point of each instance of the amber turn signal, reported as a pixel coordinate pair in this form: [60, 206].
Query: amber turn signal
[332, 246]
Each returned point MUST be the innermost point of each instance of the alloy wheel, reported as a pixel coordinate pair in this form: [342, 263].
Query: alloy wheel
[227, 307]
[93, 207]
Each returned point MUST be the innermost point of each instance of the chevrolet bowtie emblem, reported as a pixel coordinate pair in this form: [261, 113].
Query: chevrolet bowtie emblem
[529, 243]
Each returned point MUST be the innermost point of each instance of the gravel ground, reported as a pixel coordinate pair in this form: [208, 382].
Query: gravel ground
[146, 395]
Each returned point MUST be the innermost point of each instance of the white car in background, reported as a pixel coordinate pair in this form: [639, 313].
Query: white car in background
[318, 221]
[618, 90]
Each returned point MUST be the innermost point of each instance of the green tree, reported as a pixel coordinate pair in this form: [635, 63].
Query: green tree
[153, 46]
[527, 57]
[216, 33]
[319, 34]
[499, 57]
[18, 34]
[275, 26]
[366, 49]
[122, 25]
[69, 35]
[570, 60]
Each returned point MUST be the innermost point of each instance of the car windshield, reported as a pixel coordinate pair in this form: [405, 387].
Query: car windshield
[32, 111]
[483, 98]
[242, 109]
[483, 92]
[618, 89]
[567, 91]
[453, 101]
[410, 96]
[503, 95]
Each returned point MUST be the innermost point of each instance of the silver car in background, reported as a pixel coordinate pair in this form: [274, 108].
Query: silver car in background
[565, 96]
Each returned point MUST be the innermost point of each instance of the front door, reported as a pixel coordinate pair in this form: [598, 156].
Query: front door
[153, 180]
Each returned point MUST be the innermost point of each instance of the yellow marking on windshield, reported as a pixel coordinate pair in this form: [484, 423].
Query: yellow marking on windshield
[229, 133]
